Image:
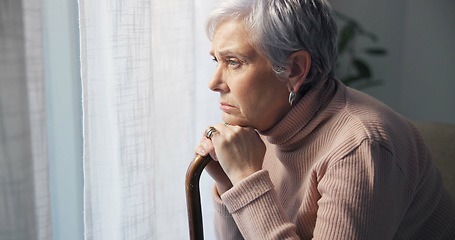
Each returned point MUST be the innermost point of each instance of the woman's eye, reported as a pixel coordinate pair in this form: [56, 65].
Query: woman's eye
[233, 62]
[215, 60]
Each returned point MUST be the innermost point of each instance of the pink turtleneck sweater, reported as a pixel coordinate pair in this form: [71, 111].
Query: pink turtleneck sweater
[344, 166]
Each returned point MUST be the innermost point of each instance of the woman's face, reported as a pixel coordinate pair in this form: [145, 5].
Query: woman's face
[251, 95]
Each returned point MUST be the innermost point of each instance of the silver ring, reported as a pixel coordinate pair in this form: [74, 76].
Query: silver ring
[209, 132]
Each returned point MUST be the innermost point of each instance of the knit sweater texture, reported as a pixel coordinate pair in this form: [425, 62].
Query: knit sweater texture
[343, 166]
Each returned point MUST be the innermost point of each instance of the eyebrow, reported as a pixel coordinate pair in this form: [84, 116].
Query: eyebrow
[230, 53]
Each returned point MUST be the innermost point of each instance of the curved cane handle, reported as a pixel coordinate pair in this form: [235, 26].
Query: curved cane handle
[193, 198]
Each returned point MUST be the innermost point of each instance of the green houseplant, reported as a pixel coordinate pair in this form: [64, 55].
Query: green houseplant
[352, 69]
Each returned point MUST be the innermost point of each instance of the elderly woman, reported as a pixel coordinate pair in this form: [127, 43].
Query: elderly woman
[300, 155]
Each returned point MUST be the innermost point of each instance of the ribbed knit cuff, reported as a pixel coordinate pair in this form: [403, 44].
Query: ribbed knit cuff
[247, 191]
[220, 208]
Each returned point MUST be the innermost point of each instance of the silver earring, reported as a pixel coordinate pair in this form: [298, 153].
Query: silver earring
[291, 97]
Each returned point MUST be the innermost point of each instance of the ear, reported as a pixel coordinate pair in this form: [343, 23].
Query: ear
[299, 66]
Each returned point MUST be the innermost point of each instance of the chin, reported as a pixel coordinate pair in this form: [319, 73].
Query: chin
[235, 121]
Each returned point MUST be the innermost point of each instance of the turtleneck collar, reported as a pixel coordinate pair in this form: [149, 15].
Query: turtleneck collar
[298, 123]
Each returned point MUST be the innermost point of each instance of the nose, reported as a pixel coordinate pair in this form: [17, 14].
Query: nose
[217, 83]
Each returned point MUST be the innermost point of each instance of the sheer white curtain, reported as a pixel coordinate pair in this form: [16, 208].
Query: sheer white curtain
[141, 90]
[24, 191]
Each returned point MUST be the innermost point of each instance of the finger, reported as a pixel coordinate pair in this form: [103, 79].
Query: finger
[208, 147]
[200, 151]
[204, 147]
[207, 144]
[224, 131]
[210, 131]
[204, 134]
[222, 128]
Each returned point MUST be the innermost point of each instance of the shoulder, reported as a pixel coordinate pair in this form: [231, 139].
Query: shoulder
[356, 118]
[383, 134]
[366, 118]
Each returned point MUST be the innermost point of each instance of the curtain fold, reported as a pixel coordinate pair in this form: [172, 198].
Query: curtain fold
[24, 181]
[137, 67]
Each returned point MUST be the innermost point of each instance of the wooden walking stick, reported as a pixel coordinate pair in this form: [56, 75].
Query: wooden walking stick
[193, 197]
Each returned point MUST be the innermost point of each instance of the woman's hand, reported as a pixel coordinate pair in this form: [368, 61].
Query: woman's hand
[213, 167]
[238, 150]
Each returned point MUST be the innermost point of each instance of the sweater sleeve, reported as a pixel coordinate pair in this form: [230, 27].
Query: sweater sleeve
[254, 206]
[363, 196]
[225, 226]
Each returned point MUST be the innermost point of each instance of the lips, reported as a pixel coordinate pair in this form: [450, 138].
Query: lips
[227, 107]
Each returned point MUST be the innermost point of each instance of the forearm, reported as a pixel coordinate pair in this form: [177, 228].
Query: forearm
[225, 225]
[256, 209]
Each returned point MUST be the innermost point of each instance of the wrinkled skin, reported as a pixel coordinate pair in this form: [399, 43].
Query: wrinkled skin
[252, 98]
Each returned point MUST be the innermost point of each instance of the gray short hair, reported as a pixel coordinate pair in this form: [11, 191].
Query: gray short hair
[280, 27]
